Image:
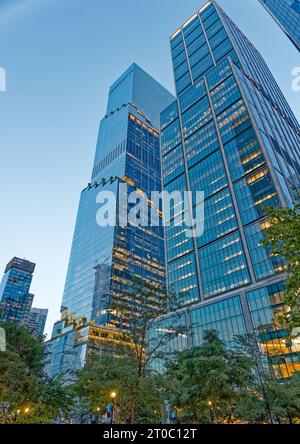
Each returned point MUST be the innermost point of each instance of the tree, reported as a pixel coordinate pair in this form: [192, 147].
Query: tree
[282, 236]
[26, 394]
[135, 395]
[137, 312]
[206, 381]
[283, 402]
[128, 370]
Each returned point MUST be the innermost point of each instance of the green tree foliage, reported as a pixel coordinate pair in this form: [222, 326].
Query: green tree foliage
[135, 314]
[212, 384]
[205, 381]
[26, 395]
[138, 397]
[270, 402]
[282, 236]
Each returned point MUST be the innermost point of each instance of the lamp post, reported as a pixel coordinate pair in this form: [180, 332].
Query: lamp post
[98, 413]
[211, 411]
[114, 412]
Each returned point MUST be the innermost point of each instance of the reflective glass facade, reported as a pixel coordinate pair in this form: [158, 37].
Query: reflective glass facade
[232, 135]
[36, 321]
[265, 304]
[15, 296]
[103, 259]
[287, 14]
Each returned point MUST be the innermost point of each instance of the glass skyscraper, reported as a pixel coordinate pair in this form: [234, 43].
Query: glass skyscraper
[15, 296]
[287, 14]
[16, 299]
[231, 134]
[104, 259]
[36, 321]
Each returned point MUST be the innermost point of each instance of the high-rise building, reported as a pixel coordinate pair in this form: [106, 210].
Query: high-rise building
[232, 135]
[104, 258]
[287, 15]
[15, 296]
[16, 299]
[36, 321]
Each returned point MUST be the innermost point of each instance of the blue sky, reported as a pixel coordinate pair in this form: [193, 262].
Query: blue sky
[60, 57]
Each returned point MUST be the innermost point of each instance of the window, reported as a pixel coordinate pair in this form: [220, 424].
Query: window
[182, 278]
[169, 115]
[183, 83]
[219, 217]
[196, 116]
[225, 94]
[193, 94]
[208, 175]
[199, 55]
[201, 144]
[244, 154]
[255, 192]
[202, 67]
[263, 263]
[233, 121]
[170, 137]
[173, 164]
[223, 266]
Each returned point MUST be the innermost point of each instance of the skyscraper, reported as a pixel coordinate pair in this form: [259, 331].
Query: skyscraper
[231, 134]
[15, 296]
[16, 299]
[36, 321]
[104, 258]
[287, 14]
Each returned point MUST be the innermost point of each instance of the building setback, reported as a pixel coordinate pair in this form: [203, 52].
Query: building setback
[286, 13]
[103, 260]
[231, 134]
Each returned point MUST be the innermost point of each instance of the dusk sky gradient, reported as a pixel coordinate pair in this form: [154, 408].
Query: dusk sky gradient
[60, 57]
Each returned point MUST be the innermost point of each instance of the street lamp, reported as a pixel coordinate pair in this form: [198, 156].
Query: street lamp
[211, 411]
[114, 412]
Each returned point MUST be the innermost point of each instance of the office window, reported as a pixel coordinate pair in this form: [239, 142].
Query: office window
[219, 217]
[225, 94]
[209, 175]
[183, 280]
[192, 95]
[170, 137]
[225, 316]
[201, 144]
[195, 40]
[183, 83]
[264, 263]
[233, 121]
[244, 154]
[266, 306]
[196, 116]
[169, 115]
[199, 55]
[202, 67]
[173, 164]
[218, 74]
[223, 266]
[255, 192]
[181, 70]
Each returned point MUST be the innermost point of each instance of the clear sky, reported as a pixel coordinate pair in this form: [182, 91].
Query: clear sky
[60, 57]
